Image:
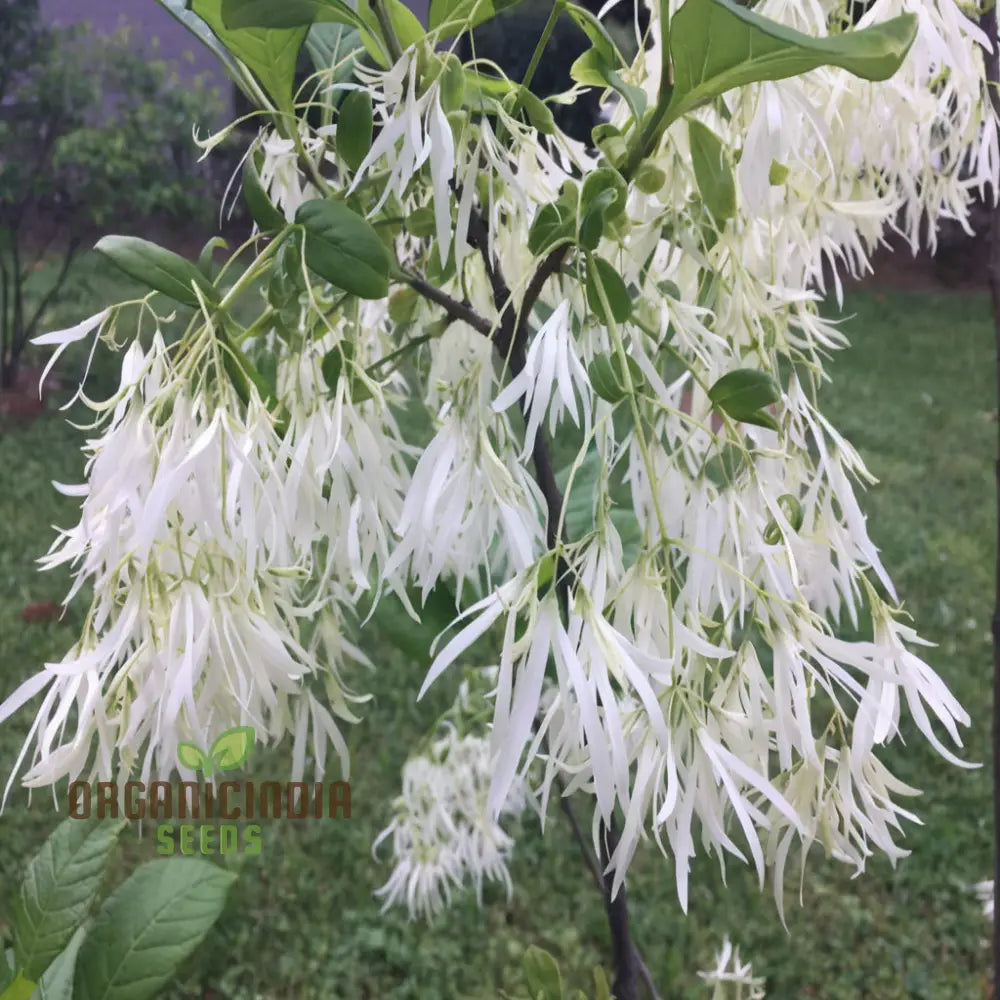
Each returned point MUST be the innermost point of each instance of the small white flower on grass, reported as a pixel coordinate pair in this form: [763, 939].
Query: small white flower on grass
[984, 893]
[443, 836]
[732, 979]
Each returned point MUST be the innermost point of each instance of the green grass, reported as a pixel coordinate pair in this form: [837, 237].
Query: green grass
[915, 395]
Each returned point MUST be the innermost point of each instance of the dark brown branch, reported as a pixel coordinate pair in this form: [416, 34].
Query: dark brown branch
[454, 308]
[70, 253]
[594, 865]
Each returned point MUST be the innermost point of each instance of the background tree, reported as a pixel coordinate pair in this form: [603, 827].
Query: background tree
[92, 131]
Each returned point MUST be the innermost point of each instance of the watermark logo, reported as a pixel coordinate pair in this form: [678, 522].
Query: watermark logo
[229, 801]
[230, 751]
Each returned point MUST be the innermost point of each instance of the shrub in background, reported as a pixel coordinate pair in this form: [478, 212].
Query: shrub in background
[93, 132]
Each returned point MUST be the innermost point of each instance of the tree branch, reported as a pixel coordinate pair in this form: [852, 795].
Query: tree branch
[594, 865]
[29, 328]
[454, 308]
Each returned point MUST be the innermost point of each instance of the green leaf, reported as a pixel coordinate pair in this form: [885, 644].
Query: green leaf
[629, 531]
[337, 45]
[600, 65]
[607, 377]
[744, 392]
[542, 974]
[59, 889]
[594, 69]
[717, 45]
[601, 991]
[238, 14]
[343, 249]
[206, 259]
[553, 222]
[420, 222]
[403, 305]
[57, 982]
[200, 29]
[232, 748]
[649, 179]
[581, 500]
[791, 509]
[605, 179]
[712, 172]
[601, 272]
[595, 216]
[261, 207]
[158, 268]
[148, 927]
[778, 173]
[354, 128]
[271, 54]
[537, 111]
[407, 25]
[193, 757]
[20, 989]
[7, 970]
[453, 16]
[391, 621]
[453, 83]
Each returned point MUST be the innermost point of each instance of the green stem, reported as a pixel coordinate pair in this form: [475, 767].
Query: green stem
[253, 272]
[536, 58]
[410, 345]
[388, 31]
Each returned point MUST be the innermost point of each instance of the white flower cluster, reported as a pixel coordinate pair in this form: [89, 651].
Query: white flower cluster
[984, 893]
[732, 979]
[696, 681]
[443, 836]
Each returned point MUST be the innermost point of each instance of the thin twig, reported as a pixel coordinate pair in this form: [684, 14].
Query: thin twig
[453, 307]
[594, 865]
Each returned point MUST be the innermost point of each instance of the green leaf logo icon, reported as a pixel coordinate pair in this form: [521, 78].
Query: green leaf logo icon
[228, 752]
[232, 748]
[193, 757]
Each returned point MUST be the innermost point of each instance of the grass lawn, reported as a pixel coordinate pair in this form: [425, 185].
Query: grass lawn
[915, 394]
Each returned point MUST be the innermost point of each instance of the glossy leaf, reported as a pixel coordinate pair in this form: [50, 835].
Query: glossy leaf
[271, 54]
[264, 213]
[602, 272]
[158, 268]
[344, 249]
[607, 377]
[286, 13]
[354, 128]
[717, 45]
[712, 172]
[452, 16]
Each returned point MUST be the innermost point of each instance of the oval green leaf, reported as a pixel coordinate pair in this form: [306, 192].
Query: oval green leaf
[354, 128]
[744, 392]
[343, 249]
[713, 174]
[148, 926]
[59, 889]
[158, 268]
[603, 273]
